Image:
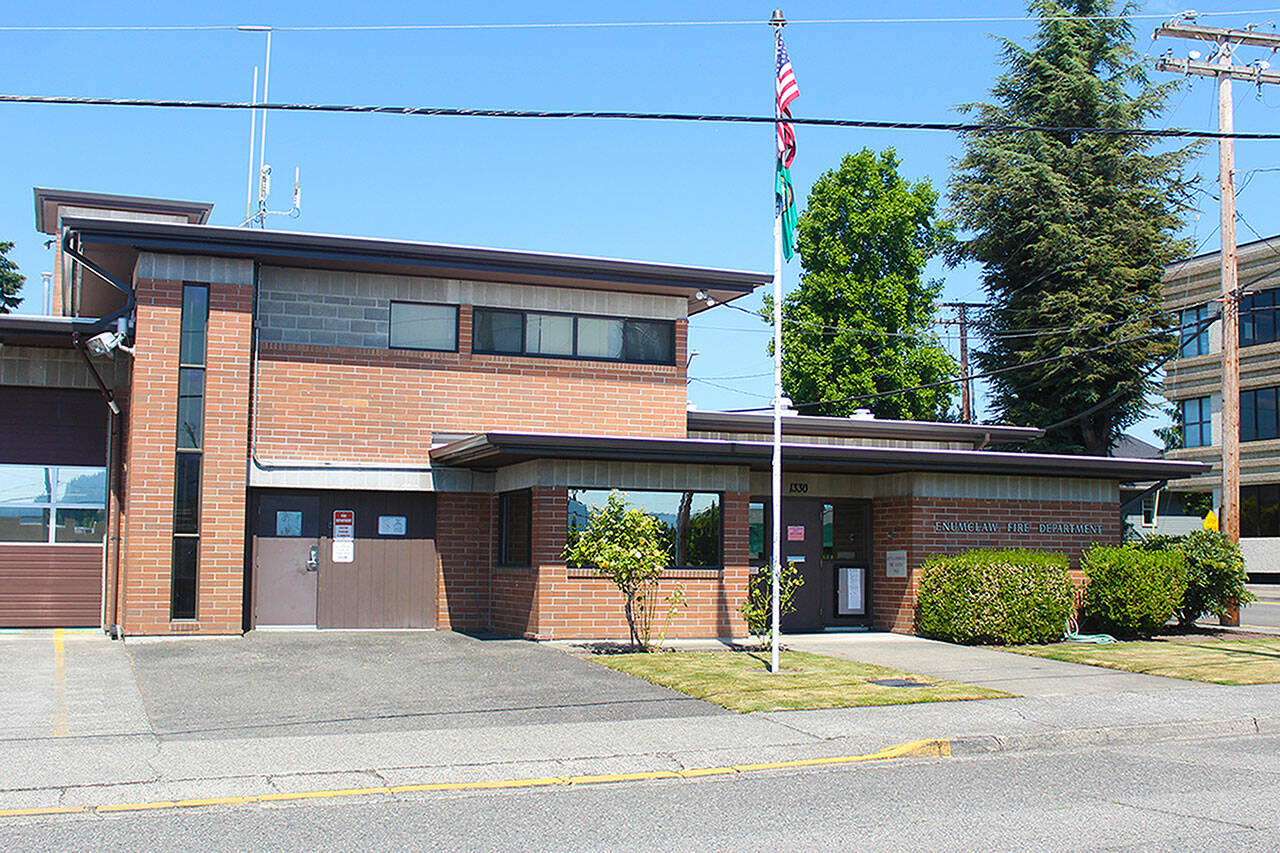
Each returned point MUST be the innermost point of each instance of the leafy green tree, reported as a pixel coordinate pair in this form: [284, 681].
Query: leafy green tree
[630, 548]
[11, 280]
[859, 322]
[1073, 229]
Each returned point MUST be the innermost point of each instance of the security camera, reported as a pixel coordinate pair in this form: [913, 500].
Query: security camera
[102, 343]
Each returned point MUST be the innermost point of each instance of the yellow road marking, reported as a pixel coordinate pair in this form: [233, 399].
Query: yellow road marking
[59, 683]
[934, 748]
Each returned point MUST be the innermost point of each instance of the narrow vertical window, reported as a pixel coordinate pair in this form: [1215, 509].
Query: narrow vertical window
[189, 451]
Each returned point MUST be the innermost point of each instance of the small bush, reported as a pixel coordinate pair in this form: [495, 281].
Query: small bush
[1215, 572]
[757, 607]
[994, 597]
[1130, 591]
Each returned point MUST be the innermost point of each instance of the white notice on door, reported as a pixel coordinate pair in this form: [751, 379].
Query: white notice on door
[850, 591]
[344, 550]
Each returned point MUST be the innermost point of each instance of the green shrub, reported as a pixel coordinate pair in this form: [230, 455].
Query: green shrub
[1215, 572]
[1131, 591]
[996, 597]
[757, 607]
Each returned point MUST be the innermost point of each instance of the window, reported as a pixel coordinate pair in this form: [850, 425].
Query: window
[1194, 337]
[418, 325]
[757, 536]
[1258, 323]
[1259, 414]
[52, 504]
[189, 451]
[1196, 429]
[515, 528]
[500, 331]
[1149, 508]
[1260, 510]
[690, 521]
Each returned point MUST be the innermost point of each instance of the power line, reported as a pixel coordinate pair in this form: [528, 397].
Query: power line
[709, 118]
[553, 25]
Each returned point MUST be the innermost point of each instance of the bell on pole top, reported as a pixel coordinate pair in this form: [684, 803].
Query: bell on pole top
[777, 20]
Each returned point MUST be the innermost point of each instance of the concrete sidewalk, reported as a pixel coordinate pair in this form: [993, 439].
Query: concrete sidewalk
[124, 759]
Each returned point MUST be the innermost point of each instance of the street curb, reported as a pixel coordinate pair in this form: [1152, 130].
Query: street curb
[1113, 735]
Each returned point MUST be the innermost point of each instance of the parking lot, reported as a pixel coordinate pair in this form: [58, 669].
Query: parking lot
[298, 683]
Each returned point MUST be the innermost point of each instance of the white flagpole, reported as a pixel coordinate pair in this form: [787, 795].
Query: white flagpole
[778, 22]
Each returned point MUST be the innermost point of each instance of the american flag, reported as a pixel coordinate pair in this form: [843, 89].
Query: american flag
[788, 91]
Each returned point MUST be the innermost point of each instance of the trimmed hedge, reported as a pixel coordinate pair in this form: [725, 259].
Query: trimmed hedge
[1130, 591]
[994, 597]
[1215, 572]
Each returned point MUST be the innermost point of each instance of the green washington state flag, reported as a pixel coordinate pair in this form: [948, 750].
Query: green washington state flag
[786, 205]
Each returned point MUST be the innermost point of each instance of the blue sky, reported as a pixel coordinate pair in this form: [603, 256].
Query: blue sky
[676, 193]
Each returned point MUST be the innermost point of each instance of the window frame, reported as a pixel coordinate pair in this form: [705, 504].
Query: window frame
[1199, 342]
[576, 356]
[504, 502]
[457, 325]
[627, 493]
[52, 505]
[1204, 422]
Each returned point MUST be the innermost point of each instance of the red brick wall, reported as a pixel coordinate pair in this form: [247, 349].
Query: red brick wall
[147, 508]
[383, 405]
[465, 538]
[908, 524]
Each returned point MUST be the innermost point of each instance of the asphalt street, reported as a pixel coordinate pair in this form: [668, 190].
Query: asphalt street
[1265, 612]
[1217, 794]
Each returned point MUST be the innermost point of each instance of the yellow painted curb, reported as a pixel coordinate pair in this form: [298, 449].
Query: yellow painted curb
[933, 748]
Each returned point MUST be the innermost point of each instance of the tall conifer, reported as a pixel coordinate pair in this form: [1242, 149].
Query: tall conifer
[1073, 229]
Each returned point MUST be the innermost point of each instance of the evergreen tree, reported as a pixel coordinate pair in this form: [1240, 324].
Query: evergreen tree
[859, 322]
[10, 281]
[1073, 229]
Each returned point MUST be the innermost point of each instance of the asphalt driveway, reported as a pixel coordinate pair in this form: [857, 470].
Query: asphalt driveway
[293, 683]
[265, 684]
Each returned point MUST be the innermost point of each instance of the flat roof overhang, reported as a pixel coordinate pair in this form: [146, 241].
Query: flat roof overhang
[493, 450]
[48, 200]
[40, 331]
[977, 434]
[327, 251]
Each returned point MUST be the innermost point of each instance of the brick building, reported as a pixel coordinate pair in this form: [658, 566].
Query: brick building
[226, 429]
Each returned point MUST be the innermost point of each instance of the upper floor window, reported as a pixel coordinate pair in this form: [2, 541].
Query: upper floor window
[572, 336]
[1258, 318]
[1259, 414]
[1196, 423]
[1195, 331]
[419, 325]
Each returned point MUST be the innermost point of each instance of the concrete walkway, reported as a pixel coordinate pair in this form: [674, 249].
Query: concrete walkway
[1021, 675]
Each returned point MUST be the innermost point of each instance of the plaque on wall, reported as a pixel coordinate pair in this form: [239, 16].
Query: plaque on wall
[895, 564]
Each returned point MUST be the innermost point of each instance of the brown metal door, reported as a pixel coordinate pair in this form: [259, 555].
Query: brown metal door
[802, 545]
[385, 576]
[286, 548]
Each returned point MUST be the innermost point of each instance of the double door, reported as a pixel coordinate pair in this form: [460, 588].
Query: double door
[829, 542]
[344, 560]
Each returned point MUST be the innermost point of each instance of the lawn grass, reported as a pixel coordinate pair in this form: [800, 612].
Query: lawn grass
[1251, 661]
[741, 681]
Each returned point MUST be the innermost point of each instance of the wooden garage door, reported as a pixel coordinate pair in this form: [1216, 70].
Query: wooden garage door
[50, 586]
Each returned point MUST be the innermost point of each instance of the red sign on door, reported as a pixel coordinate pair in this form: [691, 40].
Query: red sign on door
[344, 524]
[795, 532]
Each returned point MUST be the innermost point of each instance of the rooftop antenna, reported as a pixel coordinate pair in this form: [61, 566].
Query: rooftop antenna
[259, 217]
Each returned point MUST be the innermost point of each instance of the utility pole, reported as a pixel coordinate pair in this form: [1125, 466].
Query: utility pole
[966, 386]
[1222, 67]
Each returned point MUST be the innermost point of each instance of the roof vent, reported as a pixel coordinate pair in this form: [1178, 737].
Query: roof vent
[862, 415]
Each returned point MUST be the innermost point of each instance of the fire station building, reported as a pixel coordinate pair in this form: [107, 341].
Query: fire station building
[224, 429]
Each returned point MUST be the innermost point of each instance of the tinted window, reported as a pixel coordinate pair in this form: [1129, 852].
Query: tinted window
[190, 407]
[183, 601]
[515, 527]
[420, 326]
[195, 317]
[646, 341]
[186, 493]
[690, 521]
[498, 331]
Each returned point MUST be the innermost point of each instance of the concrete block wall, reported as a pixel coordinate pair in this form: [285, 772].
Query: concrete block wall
[908, 523]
